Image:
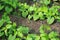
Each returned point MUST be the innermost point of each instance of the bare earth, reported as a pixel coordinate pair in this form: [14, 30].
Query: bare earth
[34, 25]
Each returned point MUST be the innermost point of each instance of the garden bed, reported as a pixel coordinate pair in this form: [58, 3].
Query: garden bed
[29, 20]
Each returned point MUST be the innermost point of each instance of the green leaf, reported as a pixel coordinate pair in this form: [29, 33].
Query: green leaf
[28, 38]
[25, 6]
[7, 19]
[41, 15]
[47, 27]
[50, 20]
[2, 21]
[8, 26]
[11, 37]
[53, 34]
[54, 38]
[20, 34]
[24, 14]
[41, 29]
[44, 9]
[58, 18]
[23, 29]
[8, 9]
[43, 35]
[31, 36]
[54, 10]
[14, 4]
[1, 34]
[37, 38]
[31, 8]
[6, 33]
[14, 24]
[17, 39]
[46, 2]
[35, 17]
[29, 17]
[44, 38]
[1, 7]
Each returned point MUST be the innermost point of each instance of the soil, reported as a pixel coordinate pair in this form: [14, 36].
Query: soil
[34, 25]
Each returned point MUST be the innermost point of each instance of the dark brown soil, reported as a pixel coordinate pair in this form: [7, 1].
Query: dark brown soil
[34, 25]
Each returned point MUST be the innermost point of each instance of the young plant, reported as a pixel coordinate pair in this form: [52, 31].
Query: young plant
[48, 36]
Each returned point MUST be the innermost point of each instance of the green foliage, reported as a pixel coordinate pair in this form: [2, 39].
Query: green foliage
[48, 36]
[24, 30]
[24, 13]
[46, 2]
[23, 8]
[33, 11]
[13, 32]
[53, 34]
[1, 22]
[41, 12]
[11, 37]
[50, 20]
[35, 17]
[32, 37]
[8, 8]
[1, 7]
[30, 16]
[1, 33]
[13, 3]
